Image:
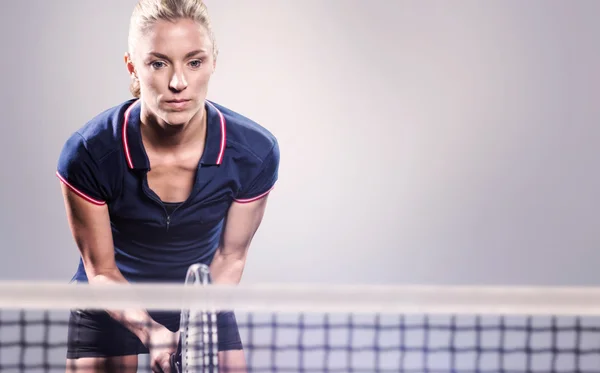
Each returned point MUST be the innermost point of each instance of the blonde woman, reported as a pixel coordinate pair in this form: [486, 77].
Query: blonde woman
[162, 181]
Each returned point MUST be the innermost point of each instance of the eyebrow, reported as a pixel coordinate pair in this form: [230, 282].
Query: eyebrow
[188, 55]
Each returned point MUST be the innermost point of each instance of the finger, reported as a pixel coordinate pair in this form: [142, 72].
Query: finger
[157, 366]
[164, 363]
[166, 366]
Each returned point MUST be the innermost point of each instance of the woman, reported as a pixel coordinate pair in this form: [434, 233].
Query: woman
[158, 183]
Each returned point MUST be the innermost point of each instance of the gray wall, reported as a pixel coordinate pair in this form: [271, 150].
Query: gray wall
[422, 141]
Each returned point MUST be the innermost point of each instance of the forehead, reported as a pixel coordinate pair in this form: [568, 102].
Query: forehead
[176, 37]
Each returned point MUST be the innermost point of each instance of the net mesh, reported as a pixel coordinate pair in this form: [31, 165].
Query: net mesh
[290, 328]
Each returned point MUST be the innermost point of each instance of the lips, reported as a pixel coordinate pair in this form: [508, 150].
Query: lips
[177, 103]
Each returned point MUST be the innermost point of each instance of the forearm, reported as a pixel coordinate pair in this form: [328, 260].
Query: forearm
[91, 229]
[227, 266]
[243, 220]
[138, 321]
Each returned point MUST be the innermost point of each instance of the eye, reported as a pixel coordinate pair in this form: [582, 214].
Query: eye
[196, 63]
[157, 64]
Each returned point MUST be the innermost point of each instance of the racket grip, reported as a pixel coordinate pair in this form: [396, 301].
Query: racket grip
[175, 365]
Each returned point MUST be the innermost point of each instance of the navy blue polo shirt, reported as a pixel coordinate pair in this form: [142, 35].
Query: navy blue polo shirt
[105, 163]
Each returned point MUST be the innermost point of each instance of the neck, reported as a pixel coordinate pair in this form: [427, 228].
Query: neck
[160, 135]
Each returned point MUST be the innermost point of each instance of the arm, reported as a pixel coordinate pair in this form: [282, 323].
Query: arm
[90, 226]
[243, 220]
[85, 188]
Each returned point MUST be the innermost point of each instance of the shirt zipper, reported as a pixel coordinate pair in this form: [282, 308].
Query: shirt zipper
[155, 198]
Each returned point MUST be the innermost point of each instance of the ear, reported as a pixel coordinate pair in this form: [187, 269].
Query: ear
[129, 64]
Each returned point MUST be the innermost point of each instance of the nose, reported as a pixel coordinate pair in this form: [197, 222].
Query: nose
[178, 81]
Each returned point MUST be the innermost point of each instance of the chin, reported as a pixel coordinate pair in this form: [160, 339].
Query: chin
[177, 119]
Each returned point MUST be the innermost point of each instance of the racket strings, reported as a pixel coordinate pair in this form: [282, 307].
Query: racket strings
[200, 337]
[200, 343]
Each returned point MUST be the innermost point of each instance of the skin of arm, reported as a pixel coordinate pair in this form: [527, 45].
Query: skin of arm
[90, 227]
[242, 222]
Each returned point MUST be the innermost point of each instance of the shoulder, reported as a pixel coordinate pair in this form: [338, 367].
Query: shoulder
[254, 154]
[101, 135]
[89, 160]
[247, 136]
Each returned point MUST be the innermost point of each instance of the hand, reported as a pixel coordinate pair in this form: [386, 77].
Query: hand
[161, 343]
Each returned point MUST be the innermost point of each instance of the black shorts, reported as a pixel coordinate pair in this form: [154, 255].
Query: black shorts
[97, 334]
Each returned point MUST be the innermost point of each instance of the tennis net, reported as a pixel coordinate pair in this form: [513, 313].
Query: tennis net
[314, 328]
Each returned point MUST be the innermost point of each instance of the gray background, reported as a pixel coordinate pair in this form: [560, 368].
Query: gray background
[447, 142]
[422, 141]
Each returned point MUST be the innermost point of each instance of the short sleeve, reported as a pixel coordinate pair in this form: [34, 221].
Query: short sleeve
[80, 172]
[262, 181]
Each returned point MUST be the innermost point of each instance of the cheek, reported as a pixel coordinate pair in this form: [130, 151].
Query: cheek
[201, 79]
[150, 81]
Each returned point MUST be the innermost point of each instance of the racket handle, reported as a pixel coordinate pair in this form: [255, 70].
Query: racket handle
[175, 366]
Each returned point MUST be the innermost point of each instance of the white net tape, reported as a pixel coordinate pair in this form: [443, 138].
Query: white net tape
[308, 298]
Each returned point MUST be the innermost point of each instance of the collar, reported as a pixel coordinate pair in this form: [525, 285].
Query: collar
[133, 147]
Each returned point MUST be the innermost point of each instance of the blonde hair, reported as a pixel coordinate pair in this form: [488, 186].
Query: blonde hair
[147, 12]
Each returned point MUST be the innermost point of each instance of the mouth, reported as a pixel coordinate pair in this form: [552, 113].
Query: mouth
[178, 103]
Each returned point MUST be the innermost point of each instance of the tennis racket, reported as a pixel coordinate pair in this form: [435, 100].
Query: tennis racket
[197, 351]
